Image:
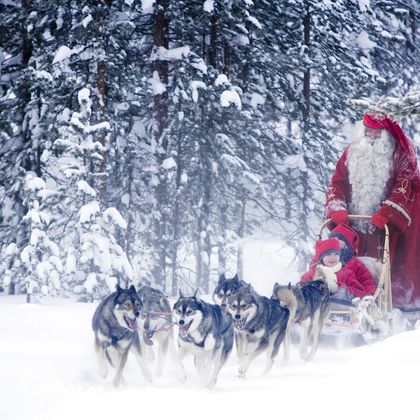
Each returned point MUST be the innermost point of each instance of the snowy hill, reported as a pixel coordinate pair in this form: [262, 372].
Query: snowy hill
[48, 371]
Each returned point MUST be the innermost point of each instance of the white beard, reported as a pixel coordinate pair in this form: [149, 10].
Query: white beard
[369, 163]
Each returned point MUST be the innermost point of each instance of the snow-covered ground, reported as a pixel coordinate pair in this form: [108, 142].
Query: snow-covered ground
[48, 371]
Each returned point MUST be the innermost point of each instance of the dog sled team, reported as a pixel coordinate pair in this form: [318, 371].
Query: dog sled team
[372, 209]
[134, 321]
[129, 320]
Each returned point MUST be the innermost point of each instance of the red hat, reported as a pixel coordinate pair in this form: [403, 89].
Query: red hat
[380, 120]
[371, 121]
[325, 247]
[346, 233]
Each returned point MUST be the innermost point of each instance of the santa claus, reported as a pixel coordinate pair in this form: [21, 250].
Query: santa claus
[378, 175]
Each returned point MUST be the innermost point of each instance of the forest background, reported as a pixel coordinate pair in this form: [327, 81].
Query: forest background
[143, 141]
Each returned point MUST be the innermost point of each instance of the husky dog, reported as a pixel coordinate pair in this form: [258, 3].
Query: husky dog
[226, 287]
[206, 332]
[157, 326]
[308, 304]
[260, 324]
[115, 326]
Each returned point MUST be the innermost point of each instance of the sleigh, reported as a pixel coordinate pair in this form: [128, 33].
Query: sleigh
[371, 317]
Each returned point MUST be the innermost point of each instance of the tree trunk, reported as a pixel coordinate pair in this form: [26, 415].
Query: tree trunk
[241, 234]
[212, 50]
[28, 161]
[198, 256]
[160, 38]
[227, 52]
[160, 114]
[129, 233]
[102, 88]
[205, 235]
[222, 242]
[176, 219]
[307, 73]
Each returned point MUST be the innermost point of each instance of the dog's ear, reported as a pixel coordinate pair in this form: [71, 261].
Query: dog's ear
[289, 286]
[118, 288]
[222, 278]
[180, 293]
[276, 285]
[132, 289]
[163, 302]
[249, 287]
[195, 293]
[236, 278]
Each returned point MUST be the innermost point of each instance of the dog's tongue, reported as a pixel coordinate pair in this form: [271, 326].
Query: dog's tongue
[132, 324]
[146, 339]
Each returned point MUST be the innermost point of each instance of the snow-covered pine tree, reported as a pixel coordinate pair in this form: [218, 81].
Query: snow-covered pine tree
[153, 67]
[40, 269]
[22, 116]
[95, 262]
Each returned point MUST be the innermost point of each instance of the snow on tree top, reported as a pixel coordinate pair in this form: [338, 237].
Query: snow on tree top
[157, 86]
[162, 53]
[222, 80]
[230, 97]
[256, 99]
[113, 214]
[364, 42]
[169, 163]
[195, 85]
[364, 5]
[34, 183]
[208, 6]
[88, 210]
[87, 20]
[84, 95]
[86, 188]
[147, 6]
[65, 52]
[255, 22]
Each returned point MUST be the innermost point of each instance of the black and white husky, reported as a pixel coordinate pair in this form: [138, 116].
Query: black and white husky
[308, 304]
[260, 325]
[226, 287]
[156, 328]
[206, 332]
[115, 327]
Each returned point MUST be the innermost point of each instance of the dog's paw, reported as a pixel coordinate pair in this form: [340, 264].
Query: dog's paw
[241, 372]
[181, 374]
[103, 371]
[117, 381]
[147, 377]
[211, 384]
[182, 377]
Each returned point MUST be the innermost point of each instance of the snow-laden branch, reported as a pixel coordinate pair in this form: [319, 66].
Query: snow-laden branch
[408, 105]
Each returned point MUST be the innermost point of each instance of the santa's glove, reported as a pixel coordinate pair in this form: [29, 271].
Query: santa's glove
[379, 221]
[340, 216]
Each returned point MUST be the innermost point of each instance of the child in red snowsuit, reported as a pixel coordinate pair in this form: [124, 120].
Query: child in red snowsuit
[344, 281]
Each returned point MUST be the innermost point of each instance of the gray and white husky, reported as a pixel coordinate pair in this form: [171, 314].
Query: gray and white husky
[206, 332]
[260, 325]
[114, 324]
[226, 287]
[308, 304]
[156, 326]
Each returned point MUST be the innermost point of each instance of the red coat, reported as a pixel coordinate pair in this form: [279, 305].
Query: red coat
[354, 276]
[402, 208]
